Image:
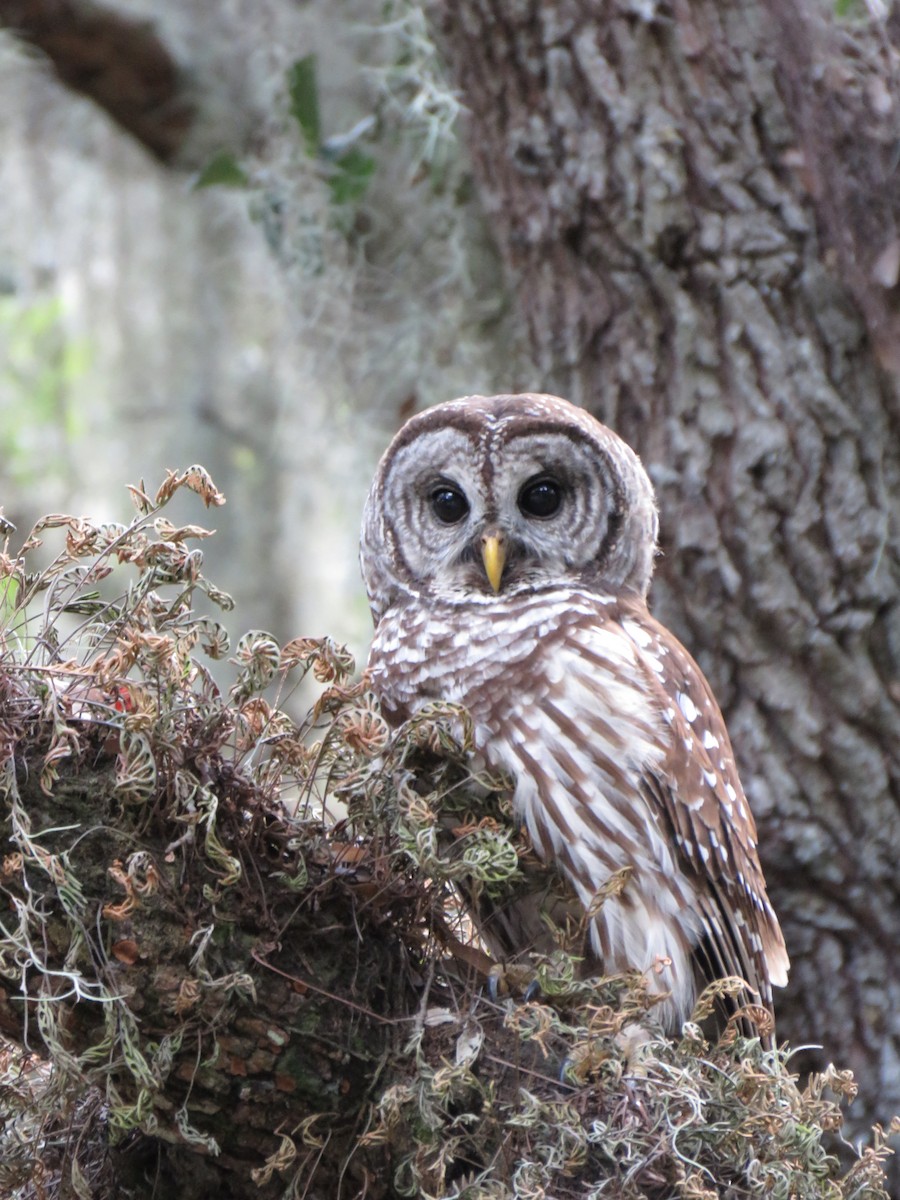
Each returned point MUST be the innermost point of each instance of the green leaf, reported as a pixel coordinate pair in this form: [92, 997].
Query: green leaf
[9, 594]
[304, 93]
[352, 176]
[222, 170]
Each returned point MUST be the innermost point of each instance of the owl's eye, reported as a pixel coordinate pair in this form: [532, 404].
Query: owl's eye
[448, 504]
[541, 498]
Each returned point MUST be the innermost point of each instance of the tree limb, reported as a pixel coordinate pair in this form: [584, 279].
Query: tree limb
[118, 62]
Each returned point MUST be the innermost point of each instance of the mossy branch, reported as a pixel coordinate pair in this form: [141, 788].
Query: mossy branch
[233, 951]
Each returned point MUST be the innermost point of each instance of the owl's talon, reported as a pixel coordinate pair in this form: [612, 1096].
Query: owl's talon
[508, 979]
[533, 990]
[493, 985]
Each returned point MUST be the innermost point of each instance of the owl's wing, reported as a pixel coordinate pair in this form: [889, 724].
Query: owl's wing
[696, 789]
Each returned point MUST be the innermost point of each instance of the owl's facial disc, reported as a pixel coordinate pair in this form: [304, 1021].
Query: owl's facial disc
[476, 514]
[502, 495]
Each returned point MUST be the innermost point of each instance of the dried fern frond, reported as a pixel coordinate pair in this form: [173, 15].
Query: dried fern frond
[240, 939]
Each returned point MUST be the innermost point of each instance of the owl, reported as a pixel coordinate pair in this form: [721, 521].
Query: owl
[507, 547]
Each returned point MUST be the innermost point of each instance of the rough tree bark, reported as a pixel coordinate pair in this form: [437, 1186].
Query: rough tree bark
[696, 204]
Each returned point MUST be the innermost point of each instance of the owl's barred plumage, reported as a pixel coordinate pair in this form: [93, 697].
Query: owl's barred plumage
[616, 745]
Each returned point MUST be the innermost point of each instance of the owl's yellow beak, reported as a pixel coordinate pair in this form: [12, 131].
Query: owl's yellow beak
[493, 555]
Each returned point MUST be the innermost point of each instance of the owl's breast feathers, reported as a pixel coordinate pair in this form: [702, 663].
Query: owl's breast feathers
[621, 759]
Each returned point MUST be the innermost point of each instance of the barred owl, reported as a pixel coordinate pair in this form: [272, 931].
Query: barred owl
[507, 547]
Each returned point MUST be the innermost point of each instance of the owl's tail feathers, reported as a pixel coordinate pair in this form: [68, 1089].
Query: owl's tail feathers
[775, 952]
[741, 936]
[743, 942]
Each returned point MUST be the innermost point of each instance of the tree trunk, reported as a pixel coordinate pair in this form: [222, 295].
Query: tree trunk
[702, 264]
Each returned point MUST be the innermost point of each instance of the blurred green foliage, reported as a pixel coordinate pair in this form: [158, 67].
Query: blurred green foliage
[345, 168]
[303, 89]
[39, 362]
[222, 170]
[349, 168]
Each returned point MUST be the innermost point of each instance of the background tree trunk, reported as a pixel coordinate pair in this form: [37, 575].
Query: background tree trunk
[700, 265]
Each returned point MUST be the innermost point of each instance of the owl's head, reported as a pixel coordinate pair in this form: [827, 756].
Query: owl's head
[504, 494]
